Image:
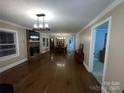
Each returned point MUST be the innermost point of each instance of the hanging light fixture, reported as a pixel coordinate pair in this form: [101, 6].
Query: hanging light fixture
[41, 26]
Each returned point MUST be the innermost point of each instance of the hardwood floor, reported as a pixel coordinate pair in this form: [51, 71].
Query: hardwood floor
[51, 73]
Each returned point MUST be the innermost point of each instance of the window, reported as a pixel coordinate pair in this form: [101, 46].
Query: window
[47, 42]
[43, 42]
[8, 43]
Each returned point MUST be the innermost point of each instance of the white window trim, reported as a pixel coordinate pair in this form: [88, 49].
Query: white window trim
[16, 42]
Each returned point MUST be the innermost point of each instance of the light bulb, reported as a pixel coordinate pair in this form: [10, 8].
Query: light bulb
[46, 26]
[35, 25]
[40, 26]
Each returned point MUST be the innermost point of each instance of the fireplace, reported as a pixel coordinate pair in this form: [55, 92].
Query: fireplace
[34, 51]
[33, 43]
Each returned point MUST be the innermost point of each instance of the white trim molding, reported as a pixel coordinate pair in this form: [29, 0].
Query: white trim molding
[2, 69]
[92, 46]
[103, 90]
[16, 43]
[86, 66]
[13, 24]
[93, 35]
[103, 13]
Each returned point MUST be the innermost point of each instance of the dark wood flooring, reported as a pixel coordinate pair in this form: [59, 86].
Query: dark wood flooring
[51, 73]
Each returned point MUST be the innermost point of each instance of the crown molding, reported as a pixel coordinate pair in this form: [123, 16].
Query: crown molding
[103, 13]
[13, 24]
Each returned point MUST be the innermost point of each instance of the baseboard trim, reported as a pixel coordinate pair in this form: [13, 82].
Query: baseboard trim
[85, 65]
[2, 69]
[104, 90]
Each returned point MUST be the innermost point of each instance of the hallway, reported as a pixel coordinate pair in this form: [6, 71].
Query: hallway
[51, 73]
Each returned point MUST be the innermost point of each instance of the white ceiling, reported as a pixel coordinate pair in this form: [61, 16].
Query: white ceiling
[69, 15]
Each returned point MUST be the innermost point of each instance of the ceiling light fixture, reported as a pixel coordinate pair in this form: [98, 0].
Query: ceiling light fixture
[41, 26]
[49, 15]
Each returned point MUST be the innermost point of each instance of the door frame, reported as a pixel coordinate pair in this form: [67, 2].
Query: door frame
[92, 46]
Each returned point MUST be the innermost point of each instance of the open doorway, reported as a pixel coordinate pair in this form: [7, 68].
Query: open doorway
[70, 43]
[99, 49]
[51, 44]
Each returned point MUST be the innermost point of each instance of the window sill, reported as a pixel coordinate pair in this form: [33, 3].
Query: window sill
[8, 57]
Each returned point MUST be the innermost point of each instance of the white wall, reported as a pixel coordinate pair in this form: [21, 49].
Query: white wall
[44, 49]
[22, 45]
[115, 60]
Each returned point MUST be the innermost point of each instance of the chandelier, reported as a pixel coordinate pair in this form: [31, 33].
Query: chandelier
[41, 26]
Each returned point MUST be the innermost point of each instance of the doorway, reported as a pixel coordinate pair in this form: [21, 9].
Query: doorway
[70, 43]
[99, 49]
[51, 44]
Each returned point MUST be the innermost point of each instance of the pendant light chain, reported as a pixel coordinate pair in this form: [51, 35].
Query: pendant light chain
[43, 23]
[38, 23]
